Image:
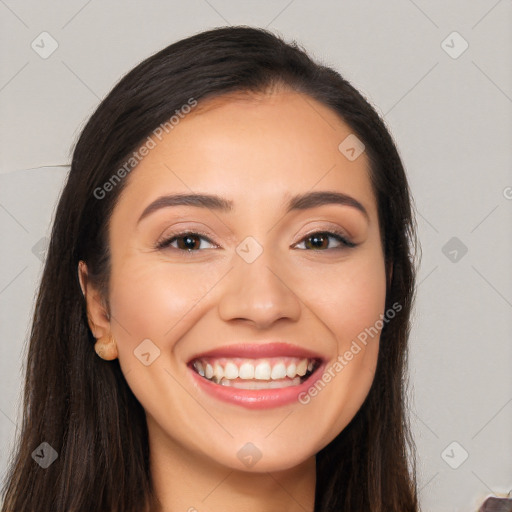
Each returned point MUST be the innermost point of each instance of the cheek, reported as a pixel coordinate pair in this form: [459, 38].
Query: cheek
[349, 299]
[348, 296]
[156, 300]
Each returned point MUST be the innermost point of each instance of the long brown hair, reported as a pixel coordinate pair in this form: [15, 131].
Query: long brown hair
[82, 406]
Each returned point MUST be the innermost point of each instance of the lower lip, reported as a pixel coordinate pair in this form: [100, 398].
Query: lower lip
[258, 398]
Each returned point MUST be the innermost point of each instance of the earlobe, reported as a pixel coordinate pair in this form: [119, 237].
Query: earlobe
[106, 348]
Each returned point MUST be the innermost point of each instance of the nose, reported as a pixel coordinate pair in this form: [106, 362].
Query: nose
[257, 293]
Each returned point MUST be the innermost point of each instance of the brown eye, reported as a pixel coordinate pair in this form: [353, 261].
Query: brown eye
[187, 241]
[321, 241]
[318, 241]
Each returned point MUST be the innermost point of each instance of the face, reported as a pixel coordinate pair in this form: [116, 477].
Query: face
[262, 286]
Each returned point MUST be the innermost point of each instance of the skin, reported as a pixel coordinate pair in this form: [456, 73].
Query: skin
[257, 152]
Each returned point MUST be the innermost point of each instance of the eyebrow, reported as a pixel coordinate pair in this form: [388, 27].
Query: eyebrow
[214, 202]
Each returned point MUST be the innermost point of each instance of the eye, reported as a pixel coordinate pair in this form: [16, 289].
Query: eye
[320, 240]
[190, 241]
[186, 241]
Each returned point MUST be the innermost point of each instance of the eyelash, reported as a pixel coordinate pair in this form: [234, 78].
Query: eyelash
[340, 237]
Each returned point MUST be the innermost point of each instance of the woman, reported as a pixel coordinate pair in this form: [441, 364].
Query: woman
[223, 316]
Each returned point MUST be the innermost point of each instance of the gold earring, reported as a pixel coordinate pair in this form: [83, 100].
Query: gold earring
[106, 347]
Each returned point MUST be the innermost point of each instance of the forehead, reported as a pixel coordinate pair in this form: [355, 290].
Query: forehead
[248, 147]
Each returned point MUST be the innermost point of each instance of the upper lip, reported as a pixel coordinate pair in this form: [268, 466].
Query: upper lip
[259, 350]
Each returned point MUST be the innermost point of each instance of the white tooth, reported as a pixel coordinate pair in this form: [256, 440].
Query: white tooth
[199, 368]
[225, 382]
[231, 370]
[291, 371]
[302, 367]
[310, 366]
[279, 371]
[262, 371]
[208, 371]
[218, 371]
[246, 371]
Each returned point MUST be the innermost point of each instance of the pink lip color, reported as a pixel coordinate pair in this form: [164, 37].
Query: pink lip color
[258, 398]
[255, 351]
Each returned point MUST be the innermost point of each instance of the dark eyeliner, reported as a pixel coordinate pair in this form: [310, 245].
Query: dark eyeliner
[339, 236]
[166, 242]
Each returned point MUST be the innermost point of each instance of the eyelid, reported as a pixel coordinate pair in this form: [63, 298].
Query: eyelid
[342, 237]
[324, 226]
[164, 242]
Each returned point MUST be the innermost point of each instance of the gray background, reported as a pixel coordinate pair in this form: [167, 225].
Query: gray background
[450, 113]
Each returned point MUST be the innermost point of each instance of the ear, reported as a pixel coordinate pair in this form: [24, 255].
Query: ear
[99, 321]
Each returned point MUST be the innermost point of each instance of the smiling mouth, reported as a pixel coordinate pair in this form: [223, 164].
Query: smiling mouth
[261, 373]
